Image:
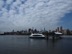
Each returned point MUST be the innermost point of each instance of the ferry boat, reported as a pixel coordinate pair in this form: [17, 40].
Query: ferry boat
[58, 33]
[37, 35]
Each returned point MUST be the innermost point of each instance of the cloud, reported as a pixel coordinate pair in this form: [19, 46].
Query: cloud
[22, 14]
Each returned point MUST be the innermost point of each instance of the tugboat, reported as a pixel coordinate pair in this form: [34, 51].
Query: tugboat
[37, 36]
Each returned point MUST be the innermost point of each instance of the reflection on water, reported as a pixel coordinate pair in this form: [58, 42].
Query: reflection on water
[25, 45]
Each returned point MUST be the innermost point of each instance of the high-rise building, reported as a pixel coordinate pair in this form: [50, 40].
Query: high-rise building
[61, 29]
[57, 29]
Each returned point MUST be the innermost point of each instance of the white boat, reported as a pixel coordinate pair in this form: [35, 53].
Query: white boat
[37, 35]
[58, 33]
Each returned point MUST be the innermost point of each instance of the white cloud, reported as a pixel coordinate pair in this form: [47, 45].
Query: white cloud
[33, 13]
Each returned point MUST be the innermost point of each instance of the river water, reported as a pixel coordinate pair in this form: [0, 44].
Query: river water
[20, 44]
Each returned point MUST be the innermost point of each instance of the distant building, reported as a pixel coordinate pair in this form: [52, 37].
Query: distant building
[61, 29]
[49, 31]
[57, 29]
[64, 32]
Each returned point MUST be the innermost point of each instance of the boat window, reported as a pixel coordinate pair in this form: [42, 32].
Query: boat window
[36, 35]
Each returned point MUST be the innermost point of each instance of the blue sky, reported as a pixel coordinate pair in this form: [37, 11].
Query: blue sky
[40, 14]
[66, 21]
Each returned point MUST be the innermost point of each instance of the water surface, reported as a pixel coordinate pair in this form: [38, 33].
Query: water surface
[19, 44]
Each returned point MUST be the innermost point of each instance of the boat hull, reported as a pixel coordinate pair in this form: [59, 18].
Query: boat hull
[37, 37]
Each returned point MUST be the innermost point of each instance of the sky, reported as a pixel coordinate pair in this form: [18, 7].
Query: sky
[39, 14]
[66, 21]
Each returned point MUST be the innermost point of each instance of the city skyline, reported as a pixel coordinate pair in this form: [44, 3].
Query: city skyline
[24, 14]
[33, 30]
